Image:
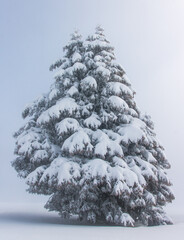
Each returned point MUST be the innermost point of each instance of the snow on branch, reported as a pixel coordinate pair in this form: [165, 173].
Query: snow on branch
[67, 125]
[118, 89]
[67, 105]
[78, 143]
[118, 103]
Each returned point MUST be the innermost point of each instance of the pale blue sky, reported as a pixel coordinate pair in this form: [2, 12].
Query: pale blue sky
[148, 36]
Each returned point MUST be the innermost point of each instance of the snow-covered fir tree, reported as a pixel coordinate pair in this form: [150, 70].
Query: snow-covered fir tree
[86, 144]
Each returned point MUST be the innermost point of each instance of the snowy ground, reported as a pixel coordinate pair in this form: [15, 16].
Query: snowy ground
[33, 222]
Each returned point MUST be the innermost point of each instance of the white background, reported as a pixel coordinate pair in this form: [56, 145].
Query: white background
[148, 36]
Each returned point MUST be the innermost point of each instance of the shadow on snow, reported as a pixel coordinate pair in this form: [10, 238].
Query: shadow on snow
[39, 218]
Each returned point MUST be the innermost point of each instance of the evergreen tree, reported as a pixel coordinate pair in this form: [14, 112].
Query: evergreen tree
[87, 145]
